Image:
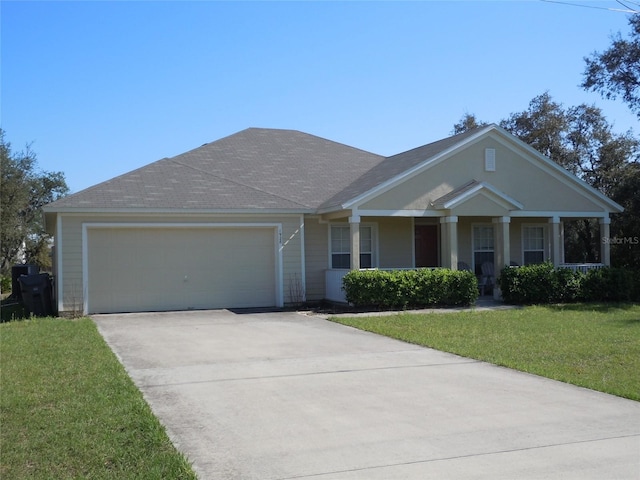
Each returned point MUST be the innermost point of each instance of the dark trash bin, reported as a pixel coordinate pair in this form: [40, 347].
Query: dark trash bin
[16, 272]
[36, 294]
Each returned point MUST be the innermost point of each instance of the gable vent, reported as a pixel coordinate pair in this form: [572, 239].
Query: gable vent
[490, 159]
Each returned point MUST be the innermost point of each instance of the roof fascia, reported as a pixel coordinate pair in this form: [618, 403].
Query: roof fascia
[419, 168]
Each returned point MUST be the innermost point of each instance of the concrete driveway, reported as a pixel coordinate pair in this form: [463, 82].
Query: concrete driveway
[285, 395]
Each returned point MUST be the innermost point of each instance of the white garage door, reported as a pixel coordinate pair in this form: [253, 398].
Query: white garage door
[160, 269]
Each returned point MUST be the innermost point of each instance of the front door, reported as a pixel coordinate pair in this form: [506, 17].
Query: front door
[426, 245]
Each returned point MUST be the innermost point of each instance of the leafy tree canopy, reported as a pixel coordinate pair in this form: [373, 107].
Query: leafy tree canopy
[24, 191]
[616, 71]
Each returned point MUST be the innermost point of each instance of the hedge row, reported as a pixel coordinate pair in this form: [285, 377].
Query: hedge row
[543, 283]
[410, 288]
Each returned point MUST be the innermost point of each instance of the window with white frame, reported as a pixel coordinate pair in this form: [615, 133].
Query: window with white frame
[532, 244]
[483, 247]
[341, 246]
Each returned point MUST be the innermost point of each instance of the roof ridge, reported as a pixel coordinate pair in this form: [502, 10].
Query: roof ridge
[237, 182]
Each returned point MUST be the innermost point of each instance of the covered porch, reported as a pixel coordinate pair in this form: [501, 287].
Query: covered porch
[472, 242]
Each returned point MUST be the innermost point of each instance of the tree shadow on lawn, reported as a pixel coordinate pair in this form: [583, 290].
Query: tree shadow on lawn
[600, 307]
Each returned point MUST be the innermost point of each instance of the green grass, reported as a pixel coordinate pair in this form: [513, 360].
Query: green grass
[594, 346]
[69, 410]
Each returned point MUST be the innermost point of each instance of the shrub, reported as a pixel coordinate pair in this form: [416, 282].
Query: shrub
[608, 284]
[542, 283]
[5, 284]
[410, 288]
[528, 284]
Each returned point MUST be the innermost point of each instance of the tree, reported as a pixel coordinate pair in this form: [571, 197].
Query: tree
[626, 191]
[616, 71]
[467, 122]
[24, 191]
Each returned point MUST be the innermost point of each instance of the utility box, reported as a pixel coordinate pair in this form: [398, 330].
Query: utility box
[36, 293]
[16, 272]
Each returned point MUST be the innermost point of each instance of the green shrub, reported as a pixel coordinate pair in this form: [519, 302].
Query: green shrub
[543, 283]
[410, 288]
[608, 285]
[527, 285]
[5, 284]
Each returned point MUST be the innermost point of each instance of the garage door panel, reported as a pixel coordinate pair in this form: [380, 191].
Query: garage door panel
[138, 269]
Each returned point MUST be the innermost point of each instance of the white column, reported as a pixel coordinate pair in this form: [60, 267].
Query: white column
[354, 226]
[502, 248]
[605, 246]
[449, 242]
[556, 240]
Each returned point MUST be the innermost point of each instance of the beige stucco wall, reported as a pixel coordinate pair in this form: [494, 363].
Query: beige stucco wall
[517, 177]
[71, 268]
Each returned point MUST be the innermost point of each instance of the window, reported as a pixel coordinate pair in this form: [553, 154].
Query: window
[533, 245]
[482, 246]
[341, 246]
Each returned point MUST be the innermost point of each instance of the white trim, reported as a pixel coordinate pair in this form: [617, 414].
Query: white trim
[503, 199]
[449, 219]
[413, 242]
[605, 220]
[401, 213]
[549, 213]
[277, 227]
[59, 266]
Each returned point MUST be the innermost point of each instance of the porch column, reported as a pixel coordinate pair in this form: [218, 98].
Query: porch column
[354, 227]
[556, 240]
[605, 246]
[449, 232]
[502, 247]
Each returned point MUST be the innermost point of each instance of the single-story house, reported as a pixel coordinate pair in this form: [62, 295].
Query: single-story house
[269, 217]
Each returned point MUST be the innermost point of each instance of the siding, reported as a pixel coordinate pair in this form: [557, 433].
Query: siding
[316, 236]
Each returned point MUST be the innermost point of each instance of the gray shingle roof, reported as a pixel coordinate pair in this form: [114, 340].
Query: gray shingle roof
[257, 169]
[394, 166]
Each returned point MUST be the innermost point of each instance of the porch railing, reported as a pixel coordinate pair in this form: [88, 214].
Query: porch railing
[581, 267]
[333, 285]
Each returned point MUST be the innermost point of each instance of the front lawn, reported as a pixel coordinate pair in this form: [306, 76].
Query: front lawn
[591, 345]
[68, 409]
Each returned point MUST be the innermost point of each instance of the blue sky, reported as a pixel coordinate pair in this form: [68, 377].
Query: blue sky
[102, 88]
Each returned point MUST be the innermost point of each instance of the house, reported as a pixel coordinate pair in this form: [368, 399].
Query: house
[269, 217]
